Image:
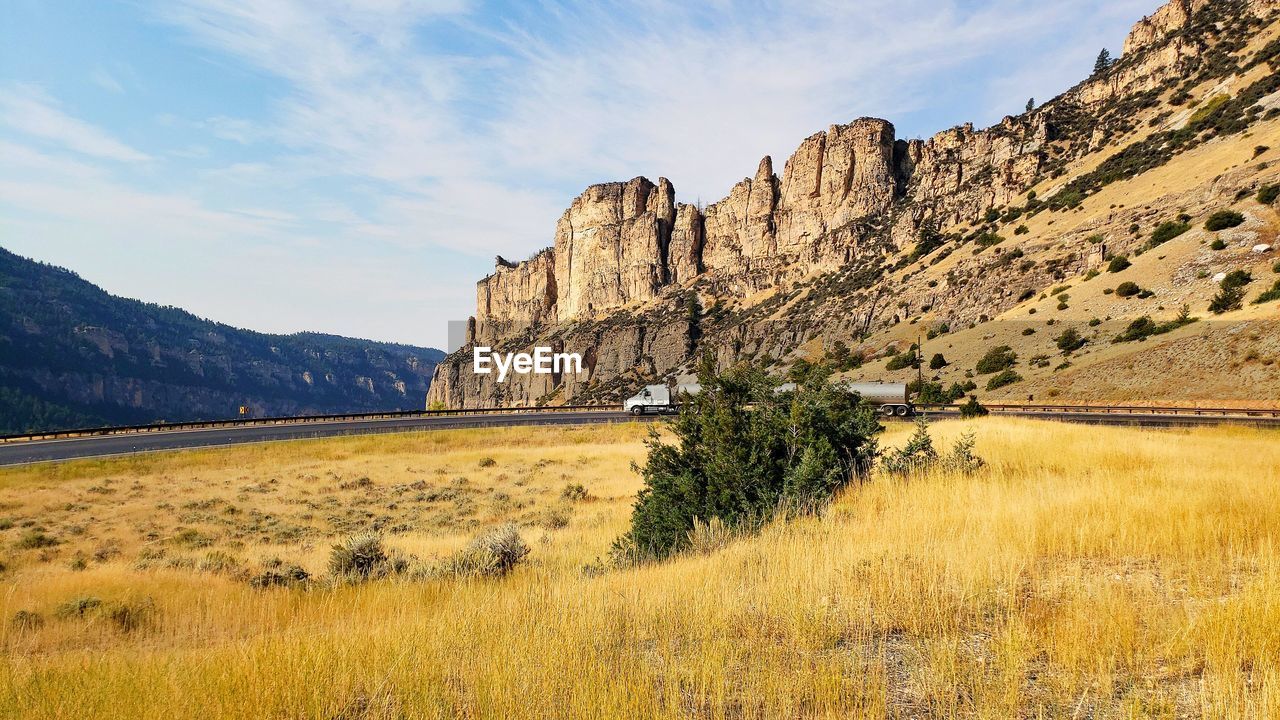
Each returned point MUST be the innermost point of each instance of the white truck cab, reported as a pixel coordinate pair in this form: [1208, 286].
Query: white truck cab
[659, 398]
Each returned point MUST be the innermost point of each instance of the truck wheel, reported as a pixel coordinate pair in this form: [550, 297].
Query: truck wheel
[901, 410]
[637, 410]
[886, 410]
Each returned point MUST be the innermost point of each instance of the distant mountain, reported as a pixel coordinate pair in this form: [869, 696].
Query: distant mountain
[72, 355]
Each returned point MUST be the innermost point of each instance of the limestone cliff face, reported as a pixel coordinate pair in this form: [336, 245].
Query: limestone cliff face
[960, 173]
[848, 199]
[515, 298]
[611, 246]
[1168, 19]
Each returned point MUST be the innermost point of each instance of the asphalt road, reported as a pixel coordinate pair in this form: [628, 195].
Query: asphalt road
[19, 453]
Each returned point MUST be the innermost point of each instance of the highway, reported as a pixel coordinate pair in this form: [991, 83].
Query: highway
[107, 442]
[125, 443]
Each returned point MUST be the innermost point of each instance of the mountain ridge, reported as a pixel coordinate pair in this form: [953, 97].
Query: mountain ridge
[72, 354]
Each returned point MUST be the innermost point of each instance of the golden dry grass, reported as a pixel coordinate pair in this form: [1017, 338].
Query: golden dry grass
[1089, 572]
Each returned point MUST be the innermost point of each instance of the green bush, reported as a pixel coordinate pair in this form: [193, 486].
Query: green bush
[744, 452]
[920, 456]
[937, 362]
[1168, 231]
[1119, 263]
[1230, 292]
[1144, 327]
[1006, 377]
[1127, 289]
[996, 359]
[908, 358]
[1217, 244]
[1223, 219]
[1268, 194]
[1271, 294]
[988, 239]
[973, 409]
[1069, 341]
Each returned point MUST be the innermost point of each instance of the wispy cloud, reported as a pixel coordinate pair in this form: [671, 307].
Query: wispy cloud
[106, 80]
[29, 110]
[386, 143]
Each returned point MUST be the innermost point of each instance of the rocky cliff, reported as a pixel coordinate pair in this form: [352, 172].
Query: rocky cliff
[639, 282]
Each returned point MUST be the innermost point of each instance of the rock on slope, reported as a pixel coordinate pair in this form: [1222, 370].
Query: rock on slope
[866, 239]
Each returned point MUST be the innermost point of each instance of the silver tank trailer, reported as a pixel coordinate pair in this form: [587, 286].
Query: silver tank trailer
[891, 398]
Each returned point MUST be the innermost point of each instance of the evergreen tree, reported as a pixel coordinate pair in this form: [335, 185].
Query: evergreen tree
[1031, 104]
[743, 451]
[1103, 62]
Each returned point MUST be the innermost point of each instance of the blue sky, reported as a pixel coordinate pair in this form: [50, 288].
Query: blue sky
[353, 167]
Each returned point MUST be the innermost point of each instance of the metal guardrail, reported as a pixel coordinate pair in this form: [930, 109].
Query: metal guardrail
[295, 420]
[1117, 410]
[412, 414]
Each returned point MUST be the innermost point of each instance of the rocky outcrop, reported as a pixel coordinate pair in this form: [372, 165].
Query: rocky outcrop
[611, 246]
[1160, 24]
[848, 199]
[960, 173]
[515, 298]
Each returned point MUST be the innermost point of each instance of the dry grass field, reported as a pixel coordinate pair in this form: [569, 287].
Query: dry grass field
[1087, 572]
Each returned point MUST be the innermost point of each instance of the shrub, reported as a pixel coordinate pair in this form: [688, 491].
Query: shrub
[988, 239]
[35, 539]
[937, 362]
[278, 574]
[1006, 377]
[26, 620]
[1272, 294]
[360, 557]
[1168, 231]
[708, 537]
[574, 492]
[1217, 244]
[908, 358]
[486, 462]
[1127, 289]
[1144, 327]
[1230, 292]
[1268, 194]
[491, 554]
[1119, 263]
[917, 456]
[78, 607]
[1027, 332]
[996, 359]
[1223, 219]
[962, 458]
[973, 409]
[1069, 341]
[744, 452]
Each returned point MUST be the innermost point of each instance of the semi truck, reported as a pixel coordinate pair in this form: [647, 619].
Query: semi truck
[890, 398]
[661, 399]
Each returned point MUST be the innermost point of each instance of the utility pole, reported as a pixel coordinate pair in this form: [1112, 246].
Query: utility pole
[919, 364]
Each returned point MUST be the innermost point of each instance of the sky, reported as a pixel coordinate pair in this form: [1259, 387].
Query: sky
[353, 167]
